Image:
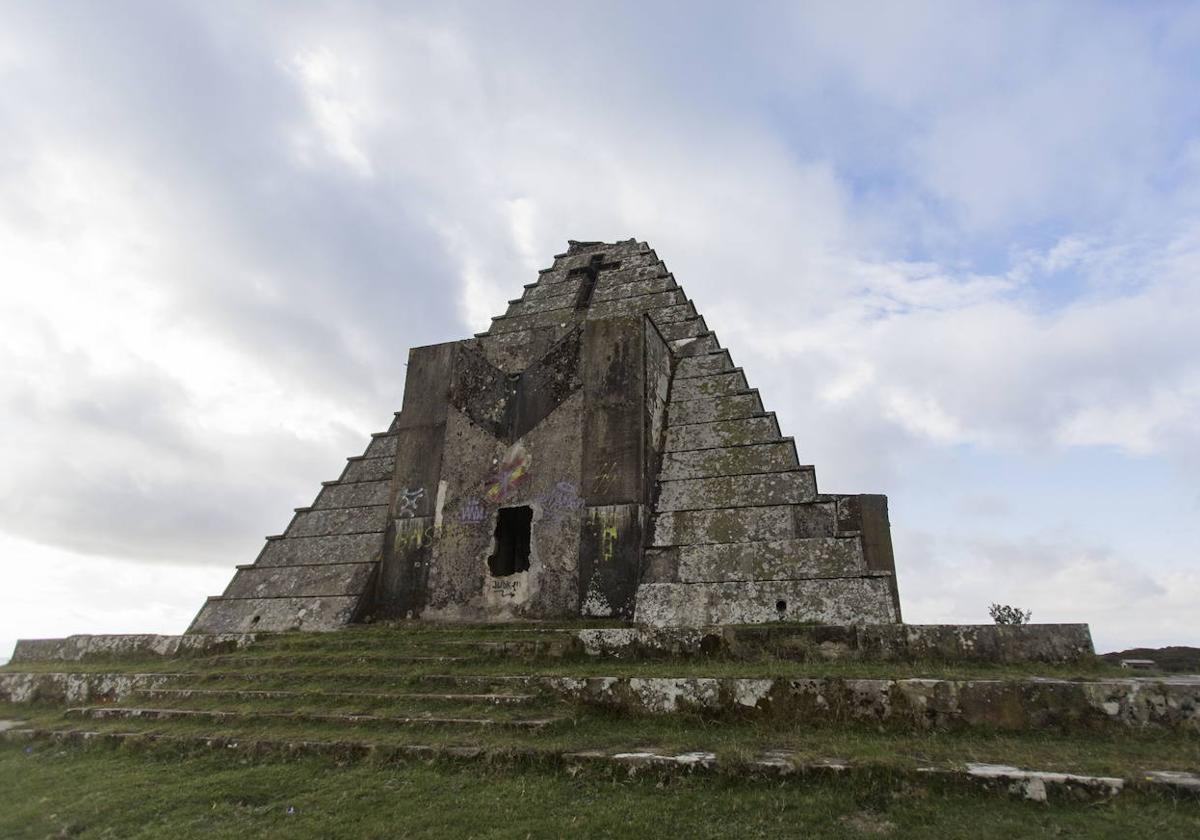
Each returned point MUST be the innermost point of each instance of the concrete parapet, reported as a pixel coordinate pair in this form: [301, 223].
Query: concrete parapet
[75, 648]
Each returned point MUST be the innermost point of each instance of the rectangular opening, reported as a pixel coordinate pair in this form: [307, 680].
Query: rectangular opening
[511, 553]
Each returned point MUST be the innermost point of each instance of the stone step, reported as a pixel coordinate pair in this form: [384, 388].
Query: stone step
[323, 523]
[341, 495]
[732, 491]
[228, 715]
[367, 469]
[607, 290]
[672, 314]
[312, 694]
[329, 579]
[819, 557]
[732, 525]
[683, 329]
[716, 409]
[782, 765]
[361, 658]
[695, 346]
[718, 362]
[635, 305]
[726, 384]
[382, 445]
[503, 324]
[1020, 704]
[867, 600]
[563, 298]
[549, 288]
[305, 551]
[729, 460]
[722, 433]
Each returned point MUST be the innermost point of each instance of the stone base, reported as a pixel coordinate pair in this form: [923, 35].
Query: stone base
[75, 648]
[988, 643]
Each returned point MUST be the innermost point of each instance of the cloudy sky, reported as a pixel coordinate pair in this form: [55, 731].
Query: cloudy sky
[957, 246]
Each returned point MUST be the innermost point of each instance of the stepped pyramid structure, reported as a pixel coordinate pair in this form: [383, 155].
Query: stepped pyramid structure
[594, 453]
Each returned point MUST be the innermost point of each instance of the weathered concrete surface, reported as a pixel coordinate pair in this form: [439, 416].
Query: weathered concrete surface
[989, 643]
[601, 401]
[75, 648]
[1032, 704]
[75, 688]
[827, 601]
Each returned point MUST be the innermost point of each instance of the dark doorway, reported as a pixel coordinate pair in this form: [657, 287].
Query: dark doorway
[512, 541]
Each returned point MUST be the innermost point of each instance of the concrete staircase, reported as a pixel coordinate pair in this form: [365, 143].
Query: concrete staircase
[661, 701]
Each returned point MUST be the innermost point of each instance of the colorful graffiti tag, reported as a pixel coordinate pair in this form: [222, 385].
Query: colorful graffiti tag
[512, 473]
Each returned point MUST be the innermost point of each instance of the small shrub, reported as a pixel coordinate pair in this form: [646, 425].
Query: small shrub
[1004, 614]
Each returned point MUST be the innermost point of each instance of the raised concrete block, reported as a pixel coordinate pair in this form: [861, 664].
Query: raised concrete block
[729, 460]
[737, 491]
[723, 433]
[300, 581]
[772, 560]
[724, 526]
[718, 362]
[301, 551]
[704, 387]
[356, 495]
[708, 411]
[828, 601]
[319, 523]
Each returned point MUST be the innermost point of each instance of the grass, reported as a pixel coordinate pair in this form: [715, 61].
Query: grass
[102, 792]
[99, 790]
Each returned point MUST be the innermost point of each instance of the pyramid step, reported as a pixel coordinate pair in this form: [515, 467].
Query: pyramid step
[616, 291]
[718, 362]
[738, 491]
[311, 694]
[328, 579]
[724, 526]
[551, 286]
[729, 460]
[230, 715]
[695, 346]
[323, 523]
[563, 299]
[814, 557]
[672, 314]
[635, 305]
[866, 600]
[718, 408]
[381, 445]
[725, 384]
[303, 551]
[355, 495]
[519, 323]
[683, 329]
[722, 433]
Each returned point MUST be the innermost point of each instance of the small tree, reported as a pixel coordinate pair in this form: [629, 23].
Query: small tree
[1004, 614]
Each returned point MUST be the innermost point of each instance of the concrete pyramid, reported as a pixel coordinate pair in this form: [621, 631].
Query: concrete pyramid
[594, 453]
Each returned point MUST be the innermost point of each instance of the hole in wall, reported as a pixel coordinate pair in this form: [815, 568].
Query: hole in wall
[254, 620]
[781, 607]
[511, 554]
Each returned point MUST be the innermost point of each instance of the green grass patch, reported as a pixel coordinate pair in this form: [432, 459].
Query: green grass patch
[102, 792]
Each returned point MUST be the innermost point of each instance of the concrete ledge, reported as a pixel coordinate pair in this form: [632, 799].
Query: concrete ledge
[1002, 705]
[990, 643]
[74, 648]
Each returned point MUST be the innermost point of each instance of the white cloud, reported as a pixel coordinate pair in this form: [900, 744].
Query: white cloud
[921, 230]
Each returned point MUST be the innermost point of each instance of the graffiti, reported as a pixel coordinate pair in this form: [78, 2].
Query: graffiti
[507, 588]
[472, 511]
[510, 475]
[606, 476]
[411, 538]
[608, 542]
[560, 501]
[408, 502]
